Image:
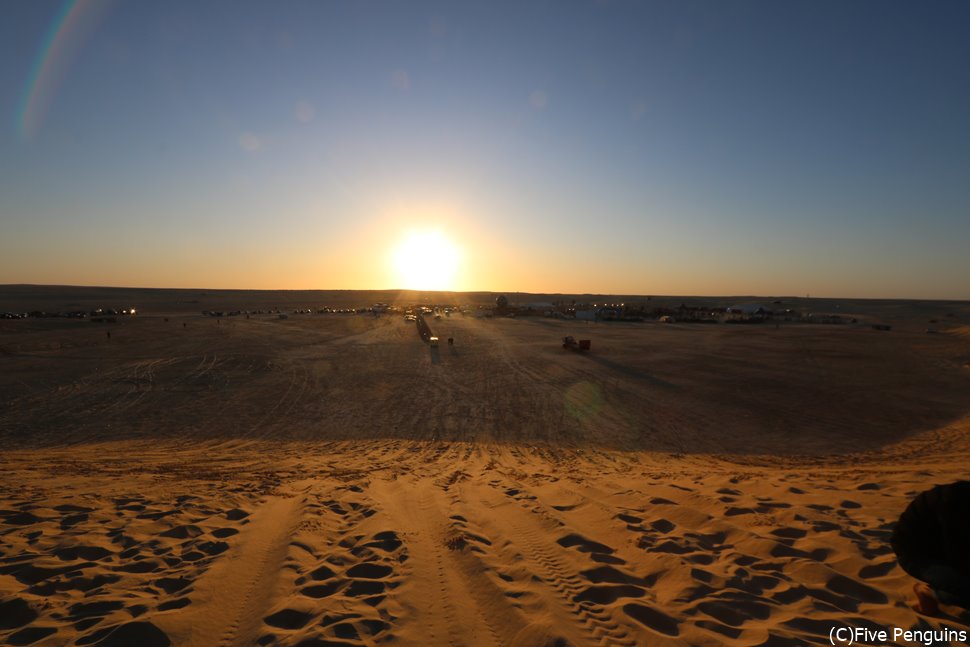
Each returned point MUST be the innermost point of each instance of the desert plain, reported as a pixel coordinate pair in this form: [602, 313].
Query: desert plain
[332, 479]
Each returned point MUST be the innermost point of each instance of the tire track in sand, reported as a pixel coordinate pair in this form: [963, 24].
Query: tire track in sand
[231, 598]
[445, 605]
[570, 601]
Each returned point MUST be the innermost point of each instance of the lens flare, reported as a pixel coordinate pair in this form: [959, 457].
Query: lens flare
[69, 29]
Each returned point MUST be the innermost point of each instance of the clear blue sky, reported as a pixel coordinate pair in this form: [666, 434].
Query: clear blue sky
[626, 147]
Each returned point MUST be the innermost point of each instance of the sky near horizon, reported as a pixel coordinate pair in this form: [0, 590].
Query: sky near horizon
[626, 147]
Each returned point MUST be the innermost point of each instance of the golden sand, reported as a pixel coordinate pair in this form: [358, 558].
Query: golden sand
[333, 480]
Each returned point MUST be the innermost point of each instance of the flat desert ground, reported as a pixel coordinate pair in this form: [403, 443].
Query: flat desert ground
[333, 480]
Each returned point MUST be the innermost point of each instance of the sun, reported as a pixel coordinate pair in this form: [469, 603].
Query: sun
[426, 260]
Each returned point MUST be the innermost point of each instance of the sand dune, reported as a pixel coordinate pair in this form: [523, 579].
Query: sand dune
[452, 543]
[335, 481]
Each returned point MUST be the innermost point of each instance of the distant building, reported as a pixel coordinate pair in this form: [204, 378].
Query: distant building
[748, 309]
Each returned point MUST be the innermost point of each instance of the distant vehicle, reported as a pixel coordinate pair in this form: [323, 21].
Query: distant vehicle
[570, 343]
[433, 341]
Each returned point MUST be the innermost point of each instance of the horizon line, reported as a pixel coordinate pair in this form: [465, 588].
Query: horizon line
[592, 294]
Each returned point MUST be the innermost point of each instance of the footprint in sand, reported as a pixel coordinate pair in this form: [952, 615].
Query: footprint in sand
[182, 532]
[323, 590]
[86, 553]
[369, 571]
[16, 612]
[289, 619]
[178, 603]
[80, 610]
[387, 541]
[236, 514]
[652, 619]
[139, 632]
[663, 525]
[629, 518]
[30, 635]
[172, 585]
[871, 571]
[362, 576]
[584, 545]
[71, 520]
[610, 575]
[604, 595]
[223, 533]
[789, 533]
[21, 518]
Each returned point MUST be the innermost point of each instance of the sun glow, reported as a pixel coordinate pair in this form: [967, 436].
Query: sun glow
[426, 260]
